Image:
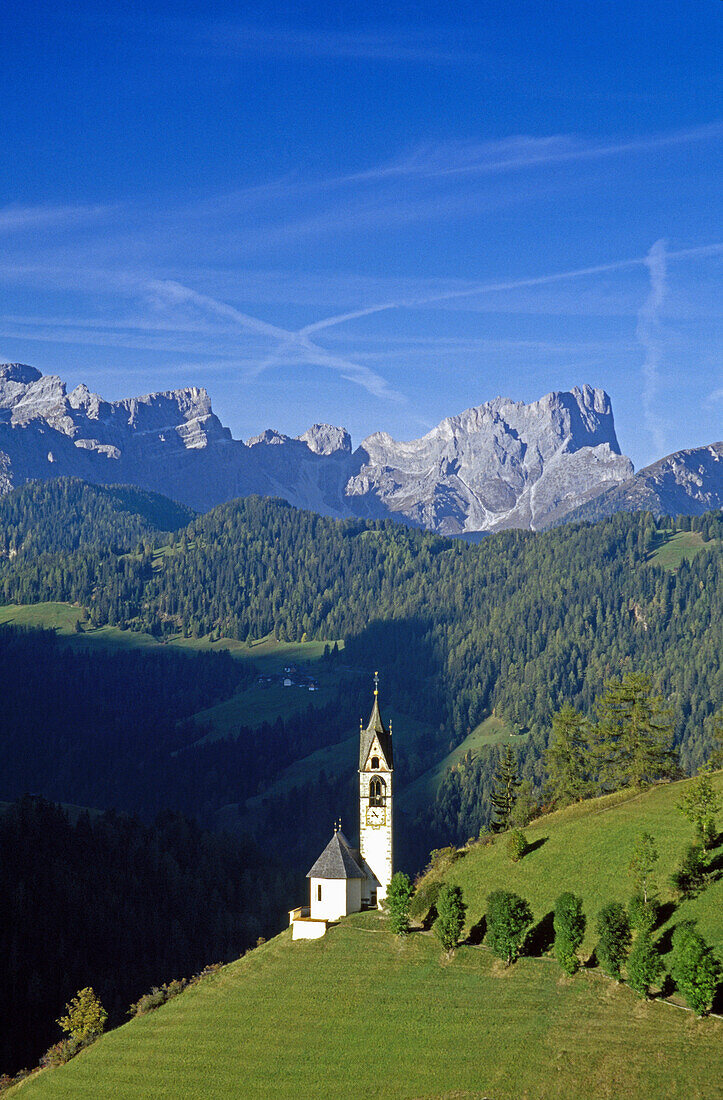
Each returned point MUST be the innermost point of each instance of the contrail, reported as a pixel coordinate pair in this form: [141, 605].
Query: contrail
[648, 333]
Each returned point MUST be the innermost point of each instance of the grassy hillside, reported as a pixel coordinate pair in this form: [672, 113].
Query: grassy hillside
[674, 547]
[491, 731]
[362, 1014]
[586, 848]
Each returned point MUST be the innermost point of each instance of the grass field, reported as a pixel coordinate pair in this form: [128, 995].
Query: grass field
[675, 548]
[362, 1014]
[422, 792]
[586, 849]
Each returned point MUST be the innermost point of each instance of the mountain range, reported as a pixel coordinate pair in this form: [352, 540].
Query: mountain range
[502, 464]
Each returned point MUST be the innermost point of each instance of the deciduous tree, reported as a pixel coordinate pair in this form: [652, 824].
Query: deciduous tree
[695, 969]
[569, 924]
[508, 918]
[450, 916]
[644, 964]
[85, 1016]
[700, 804]
[399, 899]
[613, 928]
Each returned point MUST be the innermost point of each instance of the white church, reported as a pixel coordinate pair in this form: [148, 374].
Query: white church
[345, 879]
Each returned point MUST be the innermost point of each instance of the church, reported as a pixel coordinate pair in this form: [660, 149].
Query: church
[346, 879]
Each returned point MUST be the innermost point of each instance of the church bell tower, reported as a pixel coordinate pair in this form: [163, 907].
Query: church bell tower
[376, 764]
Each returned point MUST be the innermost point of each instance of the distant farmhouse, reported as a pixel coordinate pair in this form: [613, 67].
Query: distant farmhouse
[346, 879]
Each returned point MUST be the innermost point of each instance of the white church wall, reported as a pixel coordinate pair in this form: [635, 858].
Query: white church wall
[353, 895]
[332, 903]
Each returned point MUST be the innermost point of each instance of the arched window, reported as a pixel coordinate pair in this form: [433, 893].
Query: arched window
[377, 791]
[375, 762]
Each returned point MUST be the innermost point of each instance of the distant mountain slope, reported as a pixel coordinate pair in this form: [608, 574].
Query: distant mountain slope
[684, 483]
[502, 464]
[65, 514]
[362, 1014]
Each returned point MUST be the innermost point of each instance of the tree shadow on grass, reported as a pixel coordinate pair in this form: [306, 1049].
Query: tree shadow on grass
[665, 912]
[541, 936]
[535, 845]
[477, 932]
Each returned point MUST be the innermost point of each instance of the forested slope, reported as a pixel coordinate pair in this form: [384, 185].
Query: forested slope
[522, 622]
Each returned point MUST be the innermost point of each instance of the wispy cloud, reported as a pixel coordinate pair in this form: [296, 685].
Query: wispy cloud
[290, 343]
[395, 44]
[464, 158]
[716, 395]
[649, 334]
[16, 219]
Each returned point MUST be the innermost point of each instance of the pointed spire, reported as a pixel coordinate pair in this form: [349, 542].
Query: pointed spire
[376, 684]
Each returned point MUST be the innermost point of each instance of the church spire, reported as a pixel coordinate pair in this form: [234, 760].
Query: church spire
[375, 728]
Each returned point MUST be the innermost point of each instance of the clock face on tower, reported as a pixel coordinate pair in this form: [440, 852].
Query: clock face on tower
[376, 815]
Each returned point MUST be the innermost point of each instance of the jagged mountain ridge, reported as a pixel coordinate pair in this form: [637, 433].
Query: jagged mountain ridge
[501, 464]
[687, 482]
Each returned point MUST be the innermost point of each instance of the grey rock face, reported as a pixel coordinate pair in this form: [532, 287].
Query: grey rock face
[502, 464]
[687, 482]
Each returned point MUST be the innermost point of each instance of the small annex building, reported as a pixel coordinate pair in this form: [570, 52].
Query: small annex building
[345, 879]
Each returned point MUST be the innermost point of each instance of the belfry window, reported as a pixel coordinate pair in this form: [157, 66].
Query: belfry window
[318, 893]
[375, 762]
[377, 791]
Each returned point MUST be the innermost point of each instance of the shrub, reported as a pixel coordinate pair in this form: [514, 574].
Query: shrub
[516, 845]
[399, 896]
[85, 1016]
[450, 916]
[442, 858]
[691, 876]
[424, 899]
[695, 969]
[643, 914]
[613, 928]
[61, 1052]
[158, 996]
[644, 965]
[569, 924]
[508, 918]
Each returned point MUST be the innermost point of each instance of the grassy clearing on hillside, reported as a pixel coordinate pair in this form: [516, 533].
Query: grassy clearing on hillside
[423, 791]
[361, 1014]
[587, 849]
[675, 548]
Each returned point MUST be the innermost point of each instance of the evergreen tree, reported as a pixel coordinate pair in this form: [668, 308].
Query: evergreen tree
[695, 969]
[633, 735]
[568, 757]
[451, 910]
[613, 928]
[504, 792]
[569, 924]
[398, 900]
[508, 919]
[644, 964]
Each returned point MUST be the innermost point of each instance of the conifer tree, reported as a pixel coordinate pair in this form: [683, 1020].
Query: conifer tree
[504, 792]
[633, 735]
[568, 756]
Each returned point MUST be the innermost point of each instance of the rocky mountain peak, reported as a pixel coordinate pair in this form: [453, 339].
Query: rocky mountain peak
[324, 439]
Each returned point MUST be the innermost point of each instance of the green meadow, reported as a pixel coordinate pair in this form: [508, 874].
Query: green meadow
[362, 1014]
[676, 547]
[586, 848]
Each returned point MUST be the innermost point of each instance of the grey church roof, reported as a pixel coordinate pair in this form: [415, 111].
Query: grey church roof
[336, 861]
[375, 726]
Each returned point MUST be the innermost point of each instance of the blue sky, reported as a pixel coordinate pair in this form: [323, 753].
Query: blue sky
[369, 215]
